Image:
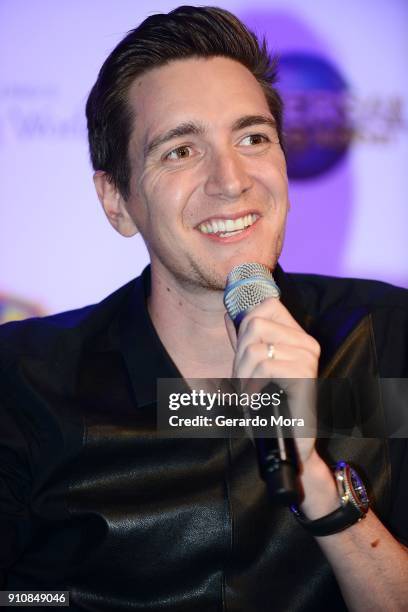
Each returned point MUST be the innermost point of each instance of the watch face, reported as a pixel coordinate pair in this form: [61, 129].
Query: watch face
[358, 490]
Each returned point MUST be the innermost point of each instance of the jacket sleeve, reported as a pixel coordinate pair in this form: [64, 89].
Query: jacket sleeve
[15, 484]
[398, 520]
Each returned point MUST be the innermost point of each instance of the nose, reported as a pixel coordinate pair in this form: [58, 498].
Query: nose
[227, 176]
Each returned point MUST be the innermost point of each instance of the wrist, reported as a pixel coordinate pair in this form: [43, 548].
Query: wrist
[352, 494]
[319, 488]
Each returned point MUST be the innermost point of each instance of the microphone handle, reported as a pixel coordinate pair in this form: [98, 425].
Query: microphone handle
[279, 468]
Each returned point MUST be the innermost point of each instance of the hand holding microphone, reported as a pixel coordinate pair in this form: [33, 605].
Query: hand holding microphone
[270, 344]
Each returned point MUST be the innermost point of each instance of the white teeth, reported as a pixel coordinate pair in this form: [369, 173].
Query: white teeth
[227, 234]
[220, 226]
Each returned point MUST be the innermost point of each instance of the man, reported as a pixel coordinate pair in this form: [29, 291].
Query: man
[186, 142]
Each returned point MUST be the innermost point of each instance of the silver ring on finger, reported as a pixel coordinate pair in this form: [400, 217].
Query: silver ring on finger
[271, 351]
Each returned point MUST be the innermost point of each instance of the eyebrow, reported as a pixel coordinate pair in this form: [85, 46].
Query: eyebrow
[183, 129]
[187, 128]
[250, 120]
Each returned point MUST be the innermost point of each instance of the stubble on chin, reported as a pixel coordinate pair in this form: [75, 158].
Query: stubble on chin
[206, 277]
[194, 276]
[210, 278]
[200, 275]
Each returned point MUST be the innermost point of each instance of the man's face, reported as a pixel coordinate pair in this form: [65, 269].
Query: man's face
[208, 176]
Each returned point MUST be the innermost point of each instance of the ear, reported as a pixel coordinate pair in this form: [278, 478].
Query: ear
[113, 204]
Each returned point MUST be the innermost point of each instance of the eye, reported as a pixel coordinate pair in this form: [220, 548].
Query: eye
[254, 139]
[182, 152]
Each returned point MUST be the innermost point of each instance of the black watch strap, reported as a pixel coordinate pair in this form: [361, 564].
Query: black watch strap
[352, 497]
[336, 521]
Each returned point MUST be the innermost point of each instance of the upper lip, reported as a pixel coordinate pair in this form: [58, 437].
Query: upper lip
[231, 216]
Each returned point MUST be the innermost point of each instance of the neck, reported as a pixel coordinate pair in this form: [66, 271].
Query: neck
[191, 326]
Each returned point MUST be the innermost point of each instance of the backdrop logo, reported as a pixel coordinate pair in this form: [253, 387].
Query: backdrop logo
[38, 112]
[317, 126]
[15, 309]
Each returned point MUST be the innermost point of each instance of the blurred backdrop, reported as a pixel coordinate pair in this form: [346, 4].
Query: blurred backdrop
[344, 80]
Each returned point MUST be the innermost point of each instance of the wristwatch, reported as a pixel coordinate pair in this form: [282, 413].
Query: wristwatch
[353, 499]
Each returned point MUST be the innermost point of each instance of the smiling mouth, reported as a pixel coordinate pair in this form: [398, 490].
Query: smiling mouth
[224, 228]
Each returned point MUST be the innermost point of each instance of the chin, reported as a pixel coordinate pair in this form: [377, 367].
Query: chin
[267, 260]
[214, 277]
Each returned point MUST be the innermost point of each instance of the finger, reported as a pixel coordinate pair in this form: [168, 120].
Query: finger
[232, 334]
[260, 330]
[272, 309]
[287, 362]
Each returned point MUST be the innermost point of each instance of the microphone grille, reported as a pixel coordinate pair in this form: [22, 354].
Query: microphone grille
[248, 285]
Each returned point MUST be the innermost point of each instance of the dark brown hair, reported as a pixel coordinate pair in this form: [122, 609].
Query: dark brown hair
[183, 33]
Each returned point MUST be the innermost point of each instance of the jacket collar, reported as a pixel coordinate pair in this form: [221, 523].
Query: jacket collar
[145, 356]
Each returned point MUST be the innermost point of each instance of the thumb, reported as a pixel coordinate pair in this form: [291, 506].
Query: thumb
[232, 334]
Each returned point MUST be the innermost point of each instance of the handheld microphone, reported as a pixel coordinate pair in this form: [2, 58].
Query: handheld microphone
[247, 286]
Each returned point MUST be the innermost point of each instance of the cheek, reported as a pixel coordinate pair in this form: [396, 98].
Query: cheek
[168, 192]
[270, 173]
